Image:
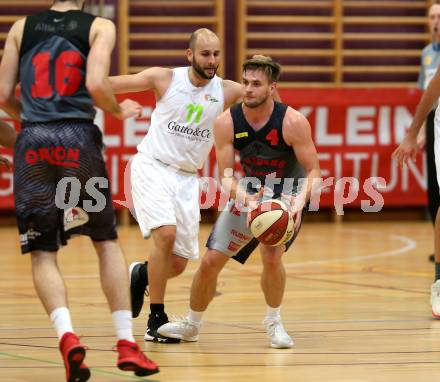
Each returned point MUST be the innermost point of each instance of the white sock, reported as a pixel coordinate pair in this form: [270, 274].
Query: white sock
[61, 321]
[194, 316]
[123, 324]
[273, 313]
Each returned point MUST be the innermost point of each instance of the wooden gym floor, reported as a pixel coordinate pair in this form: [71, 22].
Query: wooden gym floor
[356, 303]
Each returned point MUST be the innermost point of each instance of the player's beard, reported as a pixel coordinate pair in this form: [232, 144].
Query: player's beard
[255, 103]
[199, 70]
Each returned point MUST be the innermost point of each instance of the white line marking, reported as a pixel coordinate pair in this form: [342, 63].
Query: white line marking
[409, 245]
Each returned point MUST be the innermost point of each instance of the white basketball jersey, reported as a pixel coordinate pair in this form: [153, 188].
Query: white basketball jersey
[181, 129]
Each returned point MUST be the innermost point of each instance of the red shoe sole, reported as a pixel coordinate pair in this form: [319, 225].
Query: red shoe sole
[76, 372]
[138, 371]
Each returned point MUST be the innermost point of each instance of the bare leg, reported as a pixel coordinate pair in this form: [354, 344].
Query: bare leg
[51, 290]
[273, 278]
[205, 280]
[160, 262]
[48, 281]
[273, 282]
[177, 266]
[113, 273]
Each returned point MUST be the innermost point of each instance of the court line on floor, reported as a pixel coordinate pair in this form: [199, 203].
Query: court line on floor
[248, 330]
[306, 364]
[61, 366]
[189, 351]
[314, 322]
[409, 245]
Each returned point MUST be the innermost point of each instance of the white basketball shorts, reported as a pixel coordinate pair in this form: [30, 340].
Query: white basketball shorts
[164, 196]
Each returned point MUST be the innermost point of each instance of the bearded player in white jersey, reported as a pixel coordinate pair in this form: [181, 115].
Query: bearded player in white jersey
[164, 180]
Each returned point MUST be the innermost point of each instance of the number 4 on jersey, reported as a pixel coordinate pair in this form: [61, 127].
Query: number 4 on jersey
[272, 137]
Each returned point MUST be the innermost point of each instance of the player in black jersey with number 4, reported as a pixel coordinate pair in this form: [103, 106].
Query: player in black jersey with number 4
[61, 57]
[276, 151]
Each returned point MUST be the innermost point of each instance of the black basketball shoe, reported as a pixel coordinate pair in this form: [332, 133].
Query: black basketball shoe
[155, 321]
[138, 286]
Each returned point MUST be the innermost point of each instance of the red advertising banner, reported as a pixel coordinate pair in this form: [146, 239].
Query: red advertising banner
[355, 132]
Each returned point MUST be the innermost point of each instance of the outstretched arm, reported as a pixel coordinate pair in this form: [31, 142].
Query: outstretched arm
[408, 148]
[155, 78]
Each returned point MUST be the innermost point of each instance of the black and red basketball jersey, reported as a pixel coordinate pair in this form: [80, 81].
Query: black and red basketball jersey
[264, 153]
[53, 59]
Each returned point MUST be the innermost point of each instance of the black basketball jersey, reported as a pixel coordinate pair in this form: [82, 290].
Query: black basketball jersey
[53, 59]
[264, 153]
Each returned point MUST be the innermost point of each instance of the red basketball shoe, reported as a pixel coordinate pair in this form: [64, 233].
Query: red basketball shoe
[131, 358]
[73, 356]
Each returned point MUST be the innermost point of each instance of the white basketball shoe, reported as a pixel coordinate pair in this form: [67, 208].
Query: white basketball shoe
[183, 329]
[435, 299]
[279, 339]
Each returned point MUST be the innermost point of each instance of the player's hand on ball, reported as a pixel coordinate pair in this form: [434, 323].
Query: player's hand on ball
[296, 205]
[251, 202]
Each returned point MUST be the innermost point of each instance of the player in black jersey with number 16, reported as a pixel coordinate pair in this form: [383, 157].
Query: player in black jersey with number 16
[61, 57]
[276, 151]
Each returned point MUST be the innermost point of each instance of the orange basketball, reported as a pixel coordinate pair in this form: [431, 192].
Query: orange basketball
[271, 223]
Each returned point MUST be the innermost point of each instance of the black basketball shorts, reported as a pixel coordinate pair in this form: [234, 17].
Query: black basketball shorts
[61, 185]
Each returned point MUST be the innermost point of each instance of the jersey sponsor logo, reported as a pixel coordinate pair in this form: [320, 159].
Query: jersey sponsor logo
[57, 156]
[72, 25]
[58, 20]
[276, 174]
[194, 113]
[46, 27]
[74, 217]
[31, 234]
[210, 98]
[257, 161]
[194, 134]
[242, 135]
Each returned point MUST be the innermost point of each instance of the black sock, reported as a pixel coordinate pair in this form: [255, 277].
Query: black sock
[157, 308]
[437, 271]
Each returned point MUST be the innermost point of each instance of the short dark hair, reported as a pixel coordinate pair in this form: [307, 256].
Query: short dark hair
[265, 64]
